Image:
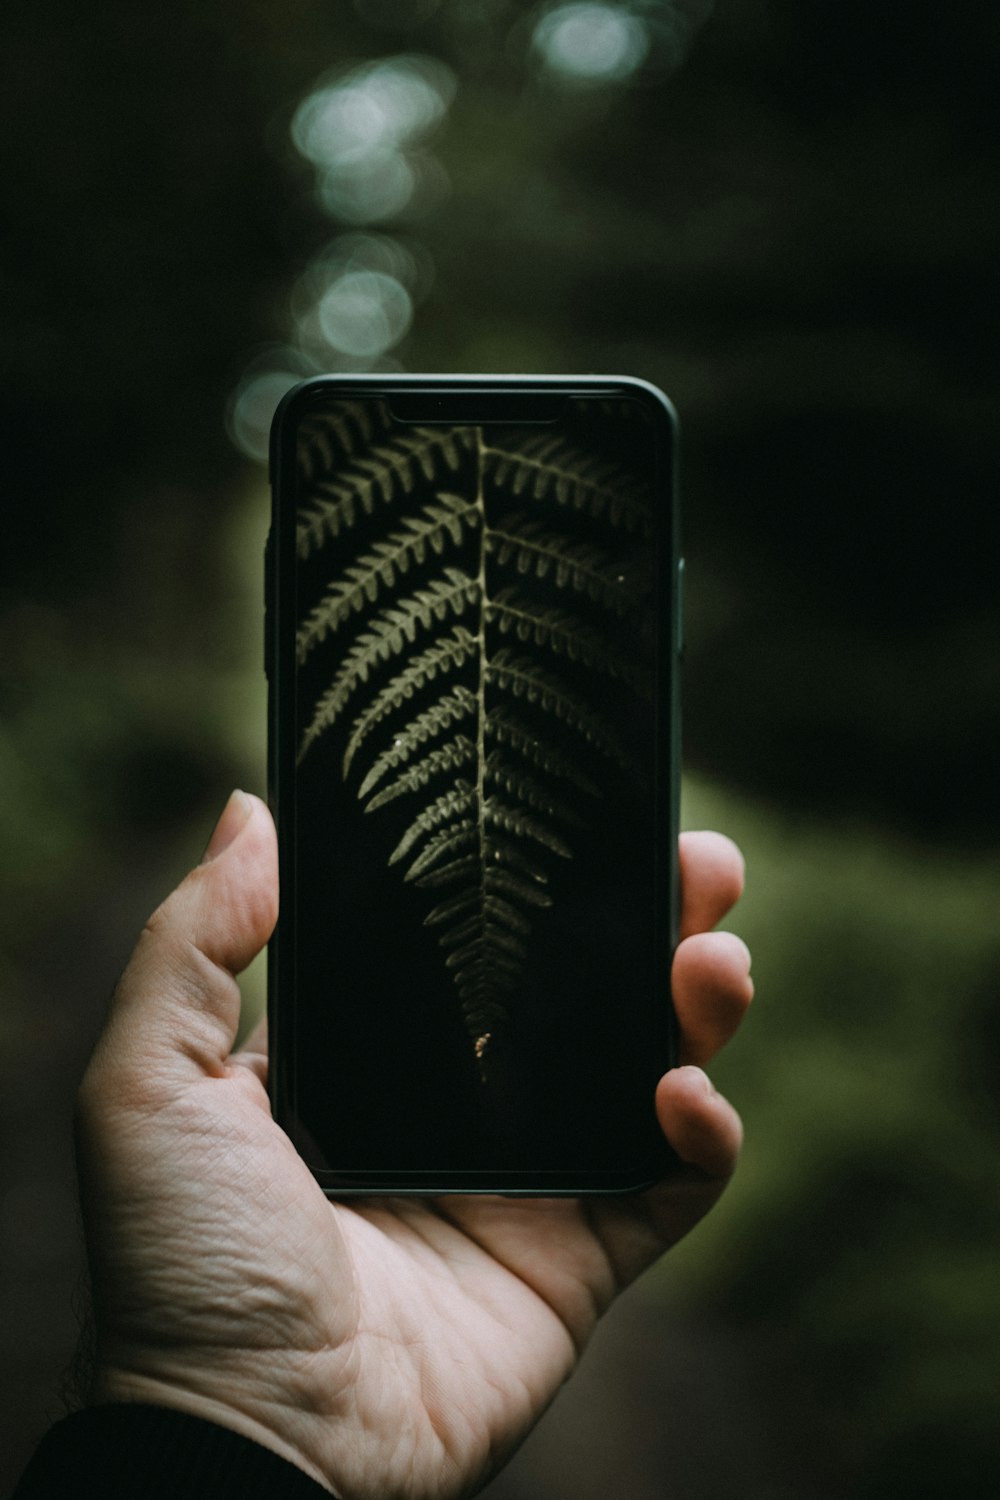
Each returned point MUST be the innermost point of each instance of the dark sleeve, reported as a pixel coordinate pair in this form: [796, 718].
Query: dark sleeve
[132, 1452]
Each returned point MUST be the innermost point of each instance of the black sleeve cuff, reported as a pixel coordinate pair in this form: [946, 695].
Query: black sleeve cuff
[129, 1451]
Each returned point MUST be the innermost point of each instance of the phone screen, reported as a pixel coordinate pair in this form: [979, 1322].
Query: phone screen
[473, 729]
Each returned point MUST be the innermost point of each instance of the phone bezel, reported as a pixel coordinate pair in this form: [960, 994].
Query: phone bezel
[500, 395]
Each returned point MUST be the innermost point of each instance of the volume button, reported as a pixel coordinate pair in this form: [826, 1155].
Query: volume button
[268, 648]
[679, 618]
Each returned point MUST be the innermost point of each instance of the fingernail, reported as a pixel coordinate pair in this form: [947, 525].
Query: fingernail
[235, 816]
[748, 955]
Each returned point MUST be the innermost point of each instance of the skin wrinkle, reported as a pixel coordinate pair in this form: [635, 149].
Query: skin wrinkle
[424, 1391]
[509, 1264]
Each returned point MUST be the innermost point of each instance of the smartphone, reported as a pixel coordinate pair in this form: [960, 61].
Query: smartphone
[472, 643]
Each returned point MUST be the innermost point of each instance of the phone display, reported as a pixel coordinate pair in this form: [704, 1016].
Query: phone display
[472, 651]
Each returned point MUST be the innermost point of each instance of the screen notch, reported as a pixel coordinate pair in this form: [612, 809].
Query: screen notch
[429, 408]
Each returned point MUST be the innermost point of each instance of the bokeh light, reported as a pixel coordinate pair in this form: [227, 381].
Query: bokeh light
[591, 43]
[253, 403]
[355, 301]
[364, 313]
[363, 130]
[376, 187]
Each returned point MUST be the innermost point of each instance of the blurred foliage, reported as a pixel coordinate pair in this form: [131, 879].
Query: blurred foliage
[858, 1240]
[788, 219]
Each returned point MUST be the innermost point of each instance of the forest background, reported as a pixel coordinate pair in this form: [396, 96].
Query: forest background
[787, 216]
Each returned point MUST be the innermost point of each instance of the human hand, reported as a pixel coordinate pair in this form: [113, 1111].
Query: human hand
[385, 1346]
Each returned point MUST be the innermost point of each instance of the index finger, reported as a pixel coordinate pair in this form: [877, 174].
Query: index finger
[711, 880]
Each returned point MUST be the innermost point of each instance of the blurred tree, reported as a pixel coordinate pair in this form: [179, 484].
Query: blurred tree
[787, 218]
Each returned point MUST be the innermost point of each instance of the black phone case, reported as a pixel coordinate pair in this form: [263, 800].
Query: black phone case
[472, 638]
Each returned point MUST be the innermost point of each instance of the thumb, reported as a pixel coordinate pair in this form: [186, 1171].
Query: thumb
[176, 1008]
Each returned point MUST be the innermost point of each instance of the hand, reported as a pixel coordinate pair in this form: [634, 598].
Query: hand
[387, 1347]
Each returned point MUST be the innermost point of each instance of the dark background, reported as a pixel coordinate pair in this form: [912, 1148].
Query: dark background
[786, 215]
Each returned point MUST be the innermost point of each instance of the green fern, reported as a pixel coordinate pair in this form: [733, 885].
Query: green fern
[446, 653]
[487, 726]
[329, 437]
[442, 656]
[465, 904]
[528, 790]
[375, 571]
[387, 472]
[457, 752]
[461, 799]
[445, 843]
[515, 820]
[524, 678]
[563, 633]
[549, 468]
[576, 565]
[506, 729]
[504, 860]
[448, 710]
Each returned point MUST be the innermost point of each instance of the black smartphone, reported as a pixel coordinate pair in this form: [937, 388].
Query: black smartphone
[472, 645]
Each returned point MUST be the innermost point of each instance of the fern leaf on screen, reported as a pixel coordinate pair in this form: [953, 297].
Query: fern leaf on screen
[457, 752]
[504, 727]
[529, 549]
[451, 709]
[564, 634]
[524, 678]
[370, 575]
[329, 437]
[385, 473]
[473, 661]
[550, 468]
[461, 799]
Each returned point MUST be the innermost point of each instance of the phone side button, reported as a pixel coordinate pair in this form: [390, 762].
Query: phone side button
[679, 621]
[267, 607]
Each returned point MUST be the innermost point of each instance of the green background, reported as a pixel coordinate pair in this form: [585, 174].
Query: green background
[786, 216]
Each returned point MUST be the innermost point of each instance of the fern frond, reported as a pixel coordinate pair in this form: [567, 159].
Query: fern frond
[576, 565]
[449, 757]
[394, 626]
[327, 437]
[461, 799]
[451, 709]
[488, 969]
[524, 678]
[516, 820]
[380, 568]
[506, 952]
[384, 472]
[454, 906]
[498, 859]
[466, 864]
[549, 468]
[503, 727]
[488, 906]
[446, 842]
[525, 788]
[443, 655]
[517, 885]
[496, 884]
[386, 636]
[563, 633]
